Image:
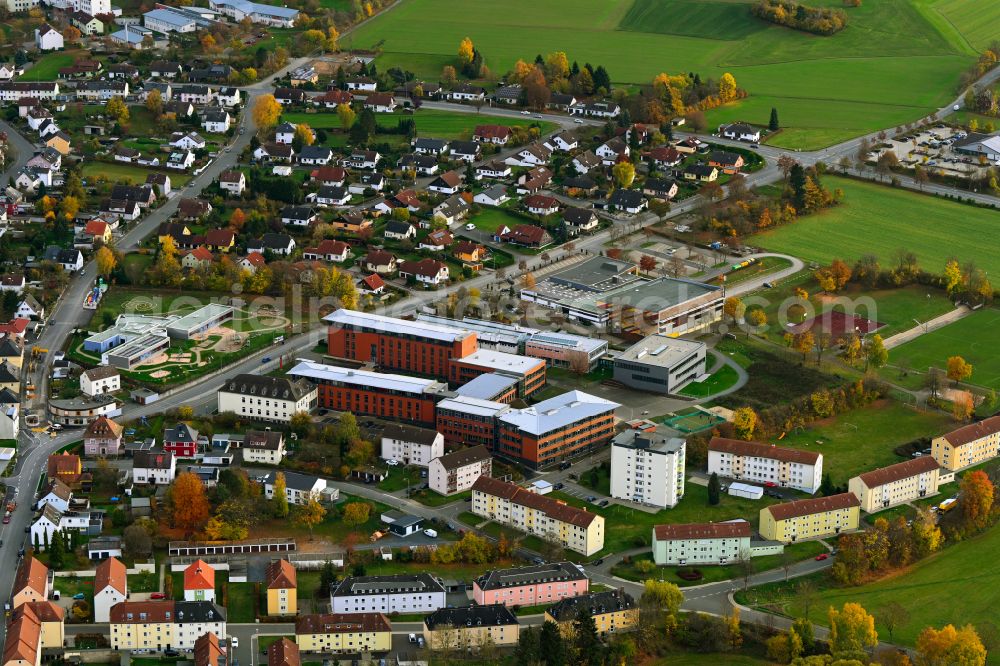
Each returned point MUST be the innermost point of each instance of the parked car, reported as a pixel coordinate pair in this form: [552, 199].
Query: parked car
[79, 595]
[157, 595]
[822, 556]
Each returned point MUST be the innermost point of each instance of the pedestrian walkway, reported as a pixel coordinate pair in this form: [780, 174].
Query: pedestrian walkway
[960, 312]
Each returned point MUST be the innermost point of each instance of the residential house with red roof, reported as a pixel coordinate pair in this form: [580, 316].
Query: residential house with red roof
[425, 271]
[199, 581]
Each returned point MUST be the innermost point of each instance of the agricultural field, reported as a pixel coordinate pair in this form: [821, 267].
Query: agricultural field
[430, 122]
[955, 575]
[863, 439]
[875, 219]
[895, 62]
[973, 338]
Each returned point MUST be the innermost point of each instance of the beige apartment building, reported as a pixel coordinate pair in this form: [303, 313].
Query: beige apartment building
[888, 486]
[343, 632]
[967, 446]
[814, 518]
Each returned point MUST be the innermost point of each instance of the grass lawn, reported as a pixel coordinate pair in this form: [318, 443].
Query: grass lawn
[875, 219]
[430, 122]
[973, 338]
[597, 478]
[48, 66]
[712, 574]
[896, 61]
[143, 582]
[863, 439]
[241, 603]
[951, 587]
[491, 219]
[399, 477]
[719, 380]
[431, 498]
[126, 172]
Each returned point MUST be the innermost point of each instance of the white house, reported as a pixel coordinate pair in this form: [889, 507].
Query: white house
[47, 39]
[740, 132]
[563, 141]
[411, 445]
[154, 467]
[180, 160]
[456, 472]
[647, 468]
[10, 414]
[100, 380]
[29, 308]
[264, 447]
[265, 398]
[494, 195]
[299, 488]
[52, 520]
[110, 587]
[233, 182]
[189, 141]
[427, 271]
[284, 133]
[762, 463]
[57, 494]
[216, 121]
[315, 155]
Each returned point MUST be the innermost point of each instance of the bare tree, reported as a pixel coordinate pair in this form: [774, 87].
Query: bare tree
[805, 592]
[892, 616]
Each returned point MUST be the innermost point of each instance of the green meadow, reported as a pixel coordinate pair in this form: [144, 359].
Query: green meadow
[896, 61]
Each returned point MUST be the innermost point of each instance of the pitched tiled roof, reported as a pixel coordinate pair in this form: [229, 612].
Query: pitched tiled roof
[553, 508]
[280, 575]
[199, 576]
[903, 470]
[31, 574]
[760, 450]
[973, 431]
[808, 507]
[283, 653]
[338, 623]
[736, 528]
[111, 573]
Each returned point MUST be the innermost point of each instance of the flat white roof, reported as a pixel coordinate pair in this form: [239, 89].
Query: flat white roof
[420, 329]
[486, 385]
[558, 412]
[660, 350]
[364, 378]
[551, 339]
[499, 361]
[474, 406]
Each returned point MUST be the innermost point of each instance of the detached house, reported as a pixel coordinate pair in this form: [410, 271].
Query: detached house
[579, 220]
[181, 440]
[612, 151]
[282, 244]
[233, 182]
[465, 151]
[494, 195]
[497, 135]
[332, 195]
[494, 169]
[380, 262]
[740, 132]
[436, 241]
[216, 121]
[446, 183]
[299, 216]
[539, 204]
[153, 467]
[399, 230]
[103, 437]
[426, 271]
[100, 380]
[328, 250]
[663, 189]
[380, 102]
[263, 447]
[526, 235]
[534, 155]
[729, 163]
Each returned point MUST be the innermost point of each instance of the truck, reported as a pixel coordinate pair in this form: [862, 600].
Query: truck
[947, 505]
[377, 535]
[431, 533]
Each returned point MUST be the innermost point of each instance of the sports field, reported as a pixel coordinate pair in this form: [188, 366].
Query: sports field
[973, 338]
[954, 586]
[875, 219]
[895, 62]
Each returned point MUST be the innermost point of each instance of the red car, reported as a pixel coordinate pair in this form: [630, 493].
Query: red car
[770, 484]
[157, 595]
[6, 520]
[822, 556]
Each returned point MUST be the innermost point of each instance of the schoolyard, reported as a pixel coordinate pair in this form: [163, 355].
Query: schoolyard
[876, 219]
[895, 62]
[973, 338]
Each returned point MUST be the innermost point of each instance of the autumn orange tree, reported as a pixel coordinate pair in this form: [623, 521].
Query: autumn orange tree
[266, 112]
[976, 492]
[948, 646]
[356, 513]
[189, 503]
[958, 369]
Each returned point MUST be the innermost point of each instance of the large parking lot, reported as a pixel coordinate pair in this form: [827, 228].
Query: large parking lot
[933, 148]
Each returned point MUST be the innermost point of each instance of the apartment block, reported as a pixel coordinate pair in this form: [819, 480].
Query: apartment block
[343, 633]
[613, 611]
[814, 518]
[530, 586]
[701, 543]
[576, 529]
[411, 445]
[456, 472]
[888, 486]
[764, 463]
[648, 468]
[403, 593]
[471, 626]
[968, 446]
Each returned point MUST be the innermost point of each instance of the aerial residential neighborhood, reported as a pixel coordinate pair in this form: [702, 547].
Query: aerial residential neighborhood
[401, 332]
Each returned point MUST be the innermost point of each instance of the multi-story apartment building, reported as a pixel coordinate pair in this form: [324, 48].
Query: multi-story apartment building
[888, 486]
[969, 445]
[814, 518]
[701, 543]
[380, 394]
[456, 472]
[265, 398]
[576, 529]
[648, 468]
[344, 633]
[764, 463]
[613, 611]
[33, 627]
[157, 625]
[411, 445]
[530, 586]
[556, 429]
[471, 626]
[403, 593]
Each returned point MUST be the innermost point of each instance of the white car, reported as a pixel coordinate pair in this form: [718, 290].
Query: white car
[234, 642]
[526, 113]
[470, 226]
[392, 463]
[578, 121]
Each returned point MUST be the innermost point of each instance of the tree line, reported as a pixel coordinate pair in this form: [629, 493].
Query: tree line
[817, 20]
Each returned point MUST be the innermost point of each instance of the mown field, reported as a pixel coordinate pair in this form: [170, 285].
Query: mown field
[973, 338]
[879, 220]
[430, 122]
[896, 61]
